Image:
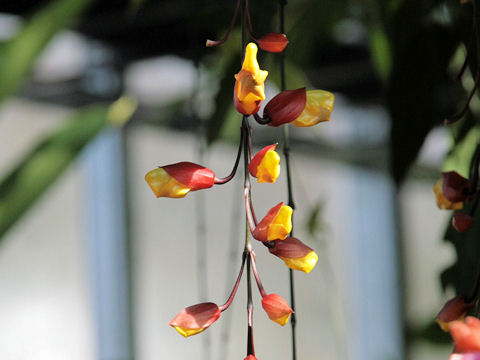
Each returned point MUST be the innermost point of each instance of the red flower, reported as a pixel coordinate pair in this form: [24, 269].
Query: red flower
[177, 180]
[466, 335]
[277, 308]
[273, 42]
[250, 357]
[461, 221]
[196, 318]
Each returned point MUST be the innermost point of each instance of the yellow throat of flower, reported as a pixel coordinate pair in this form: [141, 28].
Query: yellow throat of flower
[251, 79]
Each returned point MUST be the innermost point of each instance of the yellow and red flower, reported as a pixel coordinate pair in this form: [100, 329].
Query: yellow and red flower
[454, 309]
[177, 180]
[295, 254]
[249, 90]
[277, 308]
[265, 165]
[300, 107]
[276, 225]
[195, 319]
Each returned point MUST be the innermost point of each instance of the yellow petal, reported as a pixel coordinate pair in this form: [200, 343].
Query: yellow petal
[163, 185]
[305, 264]
[281, 225]
[282, 320]
[442, 202]
[269, 168]
[250, 62]
[318, 108]
[188, 332]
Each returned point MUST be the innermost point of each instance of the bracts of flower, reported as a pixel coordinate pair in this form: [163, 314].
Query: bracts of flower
[298, 107]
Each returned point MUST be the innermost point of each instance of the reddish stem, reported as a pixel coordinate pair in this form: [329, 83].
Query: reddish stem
[462, 113]
[211, 43]
[250, 219]
[235, 288]
[235, 166]
[255, 273]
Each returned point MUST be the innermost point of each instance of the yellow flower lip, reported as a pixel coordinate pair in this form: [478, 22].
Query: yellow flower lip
[249, 88]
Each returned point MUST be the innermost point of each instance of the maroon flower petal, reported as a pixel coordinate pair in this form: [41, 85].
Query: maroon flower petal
[286, 106]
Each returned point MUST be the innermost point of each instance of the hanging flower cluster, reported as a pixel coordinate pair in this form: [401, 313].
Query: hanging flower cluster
[298, 107]
[452, 191]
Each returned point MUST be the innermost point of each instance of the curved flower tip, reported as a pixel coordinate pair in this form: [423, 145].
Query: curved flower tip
[295, 254]
[461, 221]
[286, 106]
[277, 308]
[249, 90]
[265, 165]
[455, 187]
[318, 108]
[177, 180]
[466, 335]
[454, 309]
[195, 319]
[273, 42]
[276, 225]
[442, 202]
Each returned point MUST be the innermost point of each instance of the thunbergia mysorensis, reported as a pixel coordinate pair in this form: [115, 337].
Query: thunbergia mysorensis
[298, 107]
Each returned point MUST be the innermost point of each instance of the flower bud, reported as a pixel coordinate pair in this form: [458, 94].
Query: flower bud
[466, 335]
[442, 202]
[176, 180]
[277, 308]
[276, 225]
[295, 254]
[318, 108]
[265, 165]
[285, 106]
[454, 309]
[455, 187]
[273, 42]
[461, 221]
[196, 318]
[249, 89]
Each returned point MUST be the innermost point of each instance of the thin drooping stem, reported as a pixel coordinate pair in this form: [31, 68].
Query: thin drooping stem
[257, 277]
[250, 347]
[235, 166]
[249, 22]
[291, 203]
[462, 113]
[227, 35]
[235, 288]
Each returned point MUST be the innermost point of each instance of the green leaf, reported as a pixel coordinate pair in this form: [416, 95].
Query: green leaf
[17, 56]
[44, 164]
